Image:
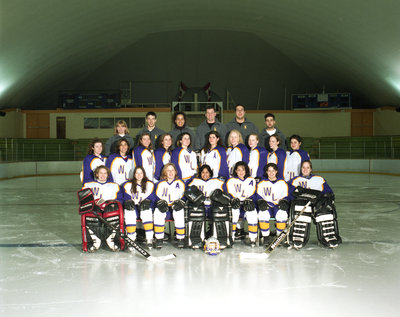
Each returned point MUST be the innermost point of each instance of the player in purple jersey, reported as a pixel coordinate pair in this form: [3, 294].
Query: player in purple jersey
[323, 211]
[143, 155]
[162, 154]
[277, 156]
[120, 163]
[92, 160]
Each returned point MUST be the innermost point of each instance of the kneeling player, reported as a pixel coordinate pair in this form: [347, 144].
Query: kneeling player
[323, 213]
[272, 201]
[139, 200]
[104, 198]
[169, 204]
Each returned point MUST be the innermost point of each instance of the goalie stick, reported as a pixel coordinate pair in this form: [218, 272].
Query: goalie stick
[134, 245]
[128, 240]
[312, 195]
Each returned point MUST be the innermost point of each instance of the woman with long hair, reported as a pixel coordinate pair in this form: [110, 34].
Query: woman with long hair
[184, 157]
[162, 154]
[214, 155]
[93, 159]
[139, 201]
[277, 155]
[121, 163]
[143, 155]
[236, 151]
[120, 131]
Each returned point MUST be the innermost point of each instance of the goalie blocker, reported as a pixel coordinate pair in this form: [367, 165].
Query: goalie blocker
[94, 233]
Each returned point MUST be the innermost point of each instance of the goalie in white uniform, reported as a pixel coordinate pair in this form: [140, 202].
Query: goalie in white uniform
[105, 198]
[242, 187]
[216, 208]
[139, 199]
[323, 212]
[272, 201]
[169, 205]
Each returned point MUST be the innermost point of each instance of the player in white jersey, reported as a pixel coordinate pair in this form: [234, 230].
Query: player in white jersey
[143, 155]
[257, 157]
[242, 187]
[121, 164]
[184, 159]
[162, 154]
[139, 198]
[108, 200]
[92, 160]
[236, 150]
[213, 154]
[272, 201]
[277, 156]
[169, 193]
[323, 212]
[294, 158]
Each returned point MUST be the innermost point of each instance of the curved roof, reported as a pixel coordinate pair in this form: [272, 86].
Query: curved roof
[46, 44]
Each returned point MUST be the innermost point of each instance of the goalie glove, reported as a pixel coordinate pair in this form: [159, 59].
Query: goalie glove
[248, 205]
[145, 205]
[284, 205]
[178, 204]
[162, 205]
[307, 194]
[219, 196]
[86, 201]
[263, 205]
[195, 195]
[235, 203]
[129, 205]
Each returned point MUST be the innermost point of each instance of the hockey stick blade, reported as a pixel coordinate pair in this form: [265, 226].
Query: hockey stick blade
[253, 256]
[133, 244]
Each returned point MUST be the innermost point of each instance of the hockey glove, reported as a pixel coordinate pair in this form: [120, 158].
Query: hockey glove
[219, 196]
[248, 205]
[235, 203]
[162, 205]
[178, 204]
[284, 205]
[145, 205]
[129, 205]
[262, 205]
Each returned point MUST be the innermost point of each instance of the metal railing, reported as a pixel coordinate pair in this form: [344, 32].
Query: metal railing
[20, 150]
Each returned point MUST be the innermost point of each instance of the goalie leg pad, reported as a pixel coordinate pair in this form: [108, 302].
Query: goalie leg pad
[300, 232]
[113, 213]
[221, 226]
[196, 225]
[327, 226]
[91, 233]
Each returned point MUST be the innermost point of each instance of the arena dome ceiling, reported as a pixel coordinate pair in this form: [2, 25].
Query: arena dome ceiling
[47, 43]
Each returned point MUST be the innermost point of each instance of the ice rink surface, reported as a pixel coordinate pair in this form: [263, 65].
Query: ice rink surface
[43, 271]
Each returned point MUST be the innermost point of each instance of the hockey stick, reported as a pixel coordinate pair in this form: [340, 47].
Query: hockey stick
[133, 244]
[275, 243]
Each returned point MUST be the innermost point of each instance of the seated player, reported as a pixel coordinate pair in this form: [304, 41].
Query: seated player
[107, 200]
[323, 212]
[241, 186]
[120, 163]
[207, 185]
[272, 201]
[169, 205]
[139, 198]
[92, 160]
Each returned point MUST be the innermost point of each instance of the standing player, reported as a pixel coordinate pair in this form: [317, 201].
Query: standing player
[143, 155]
[169, 205]
[272, 201]
[184, 159]
[214, 155]
[257, 157]
[323, 212]
[120, 131]
[162, 154]
[277, 155]
[120, 163]
[107, 198]
[92, 160]
[139, 201]
[295, 158]
[241, 186]
[236, 151]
